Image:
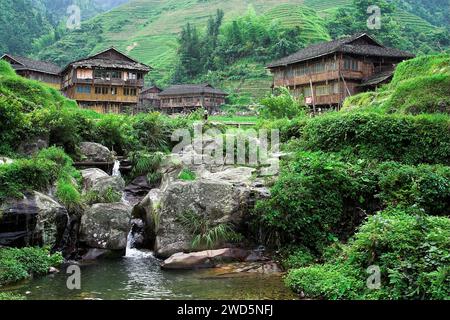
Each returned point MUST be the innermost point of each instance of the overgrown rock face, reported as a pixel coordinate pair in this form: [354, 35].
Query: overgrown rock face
[33, 145]
[221, 197]
[106, 226]
[95, 152]
[36, 219]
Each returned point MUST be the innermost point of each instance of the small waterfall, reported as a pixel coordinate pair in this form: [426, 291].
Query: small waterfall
[116, 169]
[134, 253]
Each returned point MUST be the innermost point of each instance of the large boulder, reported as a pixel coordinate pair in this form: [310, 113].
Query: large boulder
[95, 152]
[99, 181]
[219, 201]
[35, 219]
[106, 226]
[204, 259]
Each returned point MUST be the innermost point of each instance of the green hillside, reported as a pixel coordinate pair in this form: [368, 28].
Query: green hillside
[148, 29]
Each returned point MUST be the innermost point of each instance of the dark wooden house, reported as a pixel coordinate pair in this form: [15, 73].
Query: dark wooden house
[43, 71]
[326, 73]
[107, 82]
[189, 97]
[149, 99]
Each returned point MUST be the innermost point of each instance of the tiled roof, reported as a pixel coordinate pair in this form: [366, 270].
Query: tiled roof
[345, 45]
[35, 65]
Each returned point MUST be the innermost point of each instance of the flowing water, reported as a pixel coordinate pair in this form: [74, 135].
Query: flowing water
[139, 276]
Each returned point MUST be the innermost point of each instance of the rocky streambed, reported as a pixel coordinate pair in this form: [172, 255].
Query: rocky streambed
[148, 218]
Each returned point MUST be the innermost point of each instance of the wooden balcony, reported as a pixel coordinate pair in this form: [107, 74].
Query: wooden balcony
[318, 77]
[110, 82]
[105, 98]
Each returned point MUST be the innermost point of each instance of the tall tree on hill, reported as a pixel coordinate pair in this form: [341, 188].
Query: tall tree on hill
[211, 39]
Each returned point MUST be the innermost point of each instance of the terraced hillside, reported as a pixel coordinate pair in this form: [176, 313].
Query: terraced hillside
[148, 29]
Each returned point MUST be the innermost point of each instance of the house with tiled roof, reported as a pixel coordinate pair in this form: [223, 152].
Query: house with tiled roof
[107, 82]
[43, 71]
[189, 97]
[325, 74]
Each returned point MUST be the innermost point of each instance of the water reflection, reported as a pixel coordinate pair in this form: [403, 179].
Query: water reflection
[138, 276]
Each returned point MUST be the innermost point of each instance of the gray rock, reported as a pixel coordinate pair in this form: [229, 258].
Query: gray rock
[204, 259]
[33, 145]
[99, 181]
[106, 226]
[95, 152]
[36, 219]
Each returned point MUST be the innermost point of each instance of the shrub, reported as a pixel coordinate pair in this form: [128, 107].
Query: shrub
[26, 175]
[406, 139]
[424, 186]
[282, 105]
[297, 257]
[410, 248]
[422, 95]
[19, 264]
[207, 234]
[8, 296]
[109, 195]
[314, 194]
[187, 175]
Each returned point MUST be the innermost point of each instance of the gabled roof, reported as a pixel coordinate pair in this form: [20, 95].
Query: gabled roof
[358, 44]
[154, 88]
[185, 89]
[110, 58]
[23, 63]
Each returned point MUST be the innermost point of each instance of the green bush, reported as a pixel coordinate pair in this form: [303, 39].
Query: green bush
[297, 257]
[421, 66]
[8, 296]
[406, 139]
[187, 175]
[410, 248]
[422, 95]
[281, 105]
[424, 186]
[109, 195]
[314, 200]
[26, 175]
[20, 264]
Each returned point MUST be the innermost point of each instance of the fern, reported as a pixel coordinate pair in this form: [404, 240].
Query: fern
[205, 233]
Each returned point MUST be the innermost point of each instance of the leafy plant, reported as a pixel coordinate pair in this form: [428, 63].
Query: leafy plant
[19, 264]
[207, 234]
[410, 248]
[187, 175]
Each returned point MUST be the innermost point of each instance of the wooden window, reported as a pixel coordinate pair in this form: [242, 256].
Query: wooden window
[132, 76]
[307, 91]
[130, 91]
[116, 74]
[321, 90]
[83, 89]
[114, 91]
[102, 74]
[101, 90]
[351, 64]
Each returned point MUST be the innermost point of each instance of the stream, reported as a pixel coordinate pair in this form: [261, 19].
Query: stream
[138, 276]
